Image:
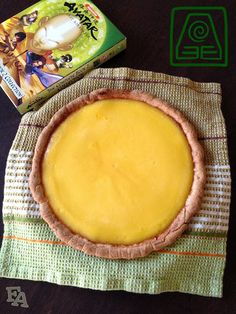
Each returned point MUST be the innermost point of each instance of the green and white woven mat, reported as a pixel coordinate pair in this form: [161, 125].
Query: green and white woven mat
[194, 264]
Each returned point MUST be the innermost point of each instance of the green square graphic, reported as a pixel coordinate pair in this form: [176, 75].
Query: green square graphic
[199, 36]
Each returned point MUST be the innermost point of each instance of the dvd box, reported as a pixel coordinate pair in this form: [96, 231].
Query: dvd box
[50, 45]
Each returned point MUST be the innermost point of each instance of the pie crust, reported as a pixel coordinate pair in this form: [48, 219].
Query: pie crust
[112, 251]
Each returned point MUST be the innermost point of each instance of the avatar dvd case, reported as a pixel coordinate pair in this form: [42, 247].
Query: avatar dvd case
[50, 45]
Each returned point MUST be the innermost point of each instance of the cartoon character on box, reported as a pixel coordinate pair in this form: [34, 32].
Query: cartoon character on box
[8, 44]
[34, 58]
[51, 35]
[64, 61]
[54, 64]
[28, 19]
[34, 65]
[12, 38]
[14, 32]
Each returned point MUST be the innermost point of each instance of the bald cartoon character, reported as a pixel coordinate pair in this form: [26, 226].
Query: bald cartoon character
[58, 32]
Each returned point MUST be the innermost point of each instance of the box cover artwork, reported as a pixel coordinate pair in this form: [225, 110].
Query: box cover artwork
[51, 45]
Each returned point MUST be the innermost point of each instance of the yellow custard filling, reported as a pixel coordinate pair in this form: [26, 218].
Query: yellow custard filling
[117, 171]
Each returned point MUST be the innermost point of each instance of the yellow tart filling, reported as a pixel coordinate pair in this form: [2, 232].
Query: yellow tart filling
[117, 171]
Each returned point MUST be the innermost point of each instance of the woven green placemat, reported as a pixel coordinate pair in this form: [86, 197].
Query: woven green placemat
[194, 264]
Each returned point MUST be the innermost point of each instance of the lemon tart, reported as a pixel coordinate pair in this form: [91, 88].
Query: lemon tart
[118, 174]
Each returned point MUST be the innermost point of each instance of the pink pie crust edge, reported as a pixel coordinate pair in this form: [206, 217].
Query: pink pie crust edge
[105, 250]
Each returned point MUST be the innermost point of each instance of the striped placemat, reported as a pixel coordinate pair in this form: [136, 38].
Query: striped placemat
[194, 264]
